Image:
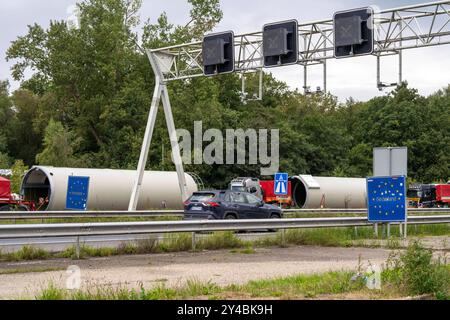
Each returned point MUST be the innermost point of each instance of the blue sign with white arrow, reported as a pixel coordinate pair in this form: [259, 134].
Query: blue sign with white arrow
[387, 199]
[281, 184]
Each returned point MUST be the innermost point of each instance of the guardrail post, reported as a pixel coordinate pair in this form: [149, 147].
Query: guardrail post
[283, 237]
[356, 232]
[77, 248]
[194, 241]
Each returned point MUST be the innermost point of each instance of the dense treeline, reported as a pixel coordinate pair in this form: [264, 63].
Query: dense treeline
[87, 102]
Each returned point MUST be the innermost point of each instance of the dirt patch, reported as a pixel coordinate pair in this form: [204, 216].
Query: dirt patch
[173, 270]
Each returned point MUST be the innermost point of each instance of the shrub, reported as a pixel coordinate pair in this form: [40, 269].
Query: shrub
[416, 272]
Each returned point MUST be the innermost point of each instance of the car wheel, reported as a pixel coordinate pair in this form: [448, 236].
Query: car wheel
[230, 217]
[5, 208]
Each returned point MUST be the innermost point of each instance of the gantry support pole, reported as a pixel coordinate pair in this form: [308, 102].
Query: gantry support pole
[160, 93]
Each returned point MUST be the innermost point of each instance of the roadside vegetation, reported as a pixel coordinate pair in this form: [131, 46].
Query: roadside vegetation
[408, 274]
[338, 237]
[31, 270]
[85, 104]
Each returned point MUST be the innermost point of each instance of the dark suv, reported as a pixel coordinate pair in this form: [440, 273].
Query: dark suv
[218, 205]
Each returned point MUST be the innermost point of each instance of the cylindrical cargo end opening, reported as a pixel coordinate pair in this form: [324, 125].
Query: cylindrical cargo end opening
[36, 187]
[299, 192]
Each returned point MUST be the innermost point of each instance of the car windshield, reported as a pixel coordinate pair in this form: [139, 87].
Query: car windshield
[202, 197]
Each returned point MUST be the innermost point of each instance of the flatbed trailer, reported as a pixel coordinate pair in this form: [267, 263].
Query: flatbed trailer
[8, 202]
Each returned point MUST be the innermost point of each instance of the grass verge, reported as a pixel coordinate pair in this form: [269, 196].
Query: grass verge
[338, 237]
[30, 270]
[413, 272]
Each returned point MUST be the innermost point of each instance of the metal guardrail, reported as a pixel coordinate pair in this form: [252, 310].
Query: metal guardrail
[41, 215]
[38, 215]
[134, 228]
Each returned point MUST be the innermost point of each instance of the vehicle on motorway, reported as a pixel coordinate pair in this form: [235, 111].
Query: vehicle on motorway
[429, 196]
[263, 190]
[10, 201]
[228, 205]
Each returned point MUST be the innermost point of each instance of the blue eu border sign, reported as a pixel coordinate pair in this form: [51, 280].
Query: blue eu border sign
[77, 193]
[387, 199]
[281, 184]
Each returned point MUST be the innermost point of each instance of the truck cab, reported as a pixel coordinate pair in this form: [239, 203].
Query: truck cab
[429, 196]
[248, 185]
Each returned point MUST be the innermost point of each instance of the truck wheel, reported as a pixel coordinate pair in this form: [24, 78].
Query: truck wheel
[23, 208]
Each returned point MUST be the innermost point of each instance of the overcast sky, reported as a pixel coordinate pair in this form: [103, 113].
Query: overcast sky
[425, 69]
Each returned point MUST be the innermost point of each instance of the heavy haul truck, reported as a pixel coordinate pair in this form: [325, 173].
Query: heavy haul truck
[263, 190]
[429, 196]
[308, 192]
[11, 202]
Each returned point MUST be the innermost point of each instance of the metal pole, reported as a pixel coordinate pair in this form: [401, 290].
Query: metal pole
[174, 142]
[325, 70]
[261, 83]
[400, 55]
[379, 84]
[145, 147]
[405, 231]
[305, 79]
[388, 230]
[375, 227]
[243, 86]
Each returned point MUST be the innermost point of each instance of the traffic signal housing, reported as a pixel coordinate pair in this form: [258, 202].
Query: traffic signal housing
[280, 43]
[218, 53]
[354, 32]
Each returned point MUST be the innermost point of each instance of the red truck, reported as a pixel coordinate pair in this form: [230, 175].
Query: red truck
[8, 202]
[443, 195]
[269, 196]
[263, 190]
[429, 196]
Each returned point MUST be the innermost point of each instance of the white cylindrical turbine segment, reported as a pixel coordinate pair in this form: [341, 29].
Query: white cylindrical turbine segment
[108, 189]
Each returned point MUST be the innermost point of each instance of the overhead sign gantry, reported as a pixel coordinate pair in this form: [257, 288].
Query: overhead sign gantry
[383, 33]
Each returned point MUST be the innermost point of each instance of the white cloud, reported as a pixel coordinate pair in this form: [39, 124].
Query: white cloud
[425, 69]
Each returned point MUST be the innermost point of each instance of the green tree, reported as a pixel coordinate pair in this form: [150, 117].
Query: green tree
[58, 147]
[23, 141]
[18, 171]
[5, 114]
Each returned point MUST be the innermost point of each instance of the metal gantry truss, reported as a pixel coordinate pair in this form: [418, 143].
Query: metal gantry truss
[415, 26]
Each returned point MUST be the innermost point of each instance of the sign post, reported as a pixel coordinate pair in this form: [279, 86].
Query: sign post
[390, 162]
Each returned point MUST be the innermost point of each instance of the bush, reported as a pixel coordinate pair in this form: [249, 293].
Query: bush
[416, 272]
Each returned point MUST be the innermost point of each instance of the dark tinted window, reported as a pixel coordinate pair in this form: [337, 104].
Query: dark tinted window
[202, 197]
